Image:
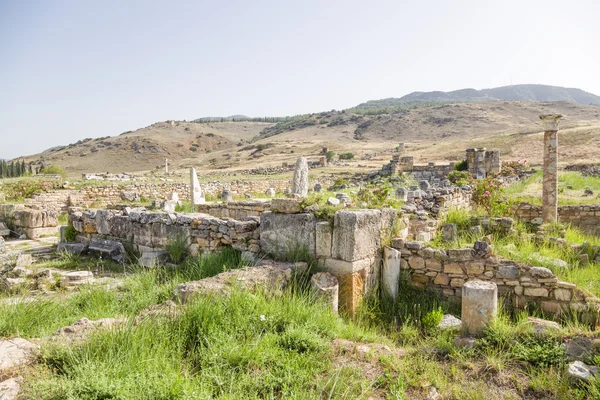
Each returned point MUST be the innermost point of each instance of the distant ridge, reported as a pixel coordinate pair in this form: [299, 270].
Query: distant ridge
[528, 93]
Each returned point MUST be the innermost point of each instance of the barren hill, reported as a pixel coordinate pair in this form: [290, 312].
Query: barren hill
[432, 133]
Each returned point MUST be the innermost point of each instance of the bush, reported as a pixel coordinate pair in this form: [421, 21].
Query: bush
[53, 170]
[346, 156]
[460, 178]
[329, 155]
[300, 340]
[461, 166]
[431, 320]
[261, 147]
[26, 188]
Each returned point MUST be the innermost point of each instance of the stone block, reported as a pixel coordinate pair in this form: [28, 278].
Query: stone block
[35, 218]
[442, 279]
[433, 265]
[286, 206]
[507, 272]
[453, 268]
[416, 262]
[153, 258]
[281, 234]
[460, 254]
[391, 271]
[535, 292]
[563, 294]
[323, 239]
[107, 249]
[336, 266]
[479, 305]
[72, 248]
[326, 288]
[474, 268]
[356, 234]
[351, 290]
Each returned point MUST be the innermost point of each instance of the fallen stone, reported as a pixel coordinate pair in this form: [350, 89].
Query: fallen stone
[333, 201]
[449, 322]
[542, 326]
[579, 348]
[107, 249]
[78, 330]
[4, 231]
[249, 278]
[24, 260]
[72, 248]
[16, 352]
[579, 371]
[449, 232]
[10, 388]
[20, 272]
[13, 284]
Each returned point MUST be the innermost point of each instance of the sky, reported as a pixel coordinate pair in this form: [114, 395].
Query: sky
[76, 69]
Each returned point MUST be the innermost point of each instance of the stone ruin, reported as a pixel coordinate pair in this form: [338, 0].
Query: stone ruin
[482, 162]
[300, 180]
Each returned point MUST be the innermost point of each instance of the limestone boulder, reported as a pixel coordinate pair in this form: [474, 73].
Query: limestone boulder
[16, 352]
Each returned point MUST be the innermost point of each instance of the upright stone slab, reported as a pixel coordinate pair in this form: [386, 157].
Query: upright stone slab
[226, 195]
[166, 166]
[326, 288]
[300, 181]
[391, 271]
[449, 232]
[196, 195]
[479, 305]
[284, 234]
[175, 197]
[550, 180]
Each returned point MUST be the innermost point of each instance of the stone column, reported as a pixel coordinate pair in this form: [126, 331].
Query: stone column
[300, 181]
[166, 166]
[390, 273]
[479, 305]
[196, 196]
[550, 183]
[326, 288]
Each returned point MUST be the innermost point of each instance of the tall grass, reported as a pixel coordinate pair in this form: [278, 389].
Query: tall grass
[37, 316]
[250, 346]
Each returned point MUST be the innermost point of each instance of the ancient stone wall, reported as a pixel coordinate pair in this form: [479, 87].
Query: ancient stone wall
[446, 271]
[153, 230]
[482, 162]
[235, 210]
[584, 217]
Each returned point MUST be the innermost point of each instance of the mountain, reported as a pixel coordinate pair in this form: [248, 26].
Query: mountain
[505, 93]
[438, 132]
[237, 117]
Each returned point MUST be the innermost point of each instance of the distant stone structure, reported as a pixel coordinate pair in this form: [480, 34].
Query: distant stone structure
[300, 181]
[166, 166]
[196, 195]
[550, 181]
[482, 162]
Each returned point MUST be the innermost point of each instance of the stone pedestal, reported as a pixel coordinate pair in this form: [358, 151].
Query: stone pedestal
[326, 288]
[479, 305]
[550, 182]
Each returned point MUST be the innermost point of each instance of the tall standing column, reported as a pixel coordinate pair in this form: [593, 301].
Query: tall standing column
[550, 183]
[166, 166]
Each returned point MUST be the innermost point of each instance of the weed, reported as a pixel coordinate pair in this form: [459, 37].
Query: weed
[178, 248]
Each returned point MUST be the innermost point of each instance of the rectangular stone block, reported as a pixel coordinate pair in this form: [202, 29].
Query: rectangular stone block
[323, 239]
[356, 234]
[391, 271]
[351, 290]
[336, 266]
[282, 234]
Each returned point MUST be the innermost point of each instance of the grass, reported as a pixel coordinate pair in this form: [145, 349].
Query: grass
[141, 288]
[250, 346]
[571, 187]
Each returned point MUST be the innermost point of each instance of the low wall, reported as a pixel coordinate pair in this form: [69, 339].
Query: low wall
[585, 217]
[235, 210]
[446, 271]
[153, 230]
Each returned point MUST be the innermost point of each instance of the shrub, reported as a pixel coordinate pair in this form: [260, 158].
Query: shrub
[261, 147]
[460, 178]
[26, 188]
[53, 170]
[300, 340]
[461, 166]
[329, 155]
[539, 351]
[346, 156]
[487, 194]
[340, 182]
[431, 320]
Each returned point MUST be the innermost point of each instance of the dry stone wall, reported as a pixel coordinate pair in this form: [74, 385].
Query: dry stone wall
[153, 230]
[235, 210]
[585, 217]
[446, 271]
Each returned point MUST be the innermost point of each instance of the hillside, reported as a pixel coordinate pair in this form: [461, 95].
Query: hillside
[526, 93]
[432, 133]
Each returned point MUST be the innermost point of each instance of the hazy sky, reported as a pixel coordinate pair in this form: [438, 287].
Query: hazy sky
[76, 69]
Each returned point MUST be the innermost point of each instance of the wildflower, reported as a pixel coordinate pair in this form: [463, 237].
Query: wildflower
[487, 192]
[263, 318]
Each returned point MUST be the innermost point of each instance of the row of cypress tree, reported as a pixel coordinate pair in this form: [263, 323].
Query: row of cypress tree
[14, 169]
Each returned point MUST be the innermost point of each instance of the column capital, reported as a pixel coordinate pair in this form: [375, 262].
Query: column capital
[550, 121]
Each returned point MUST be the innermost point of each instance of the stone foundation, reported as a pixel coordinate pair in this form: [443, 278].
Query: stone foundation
[585, 217]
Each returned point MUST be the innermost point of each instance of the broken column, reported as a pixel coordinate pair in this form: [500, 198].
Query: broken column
[196, 195]
[479, 305]
[300, 181]
[390, 273]
[326, 288]
[550, 182]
